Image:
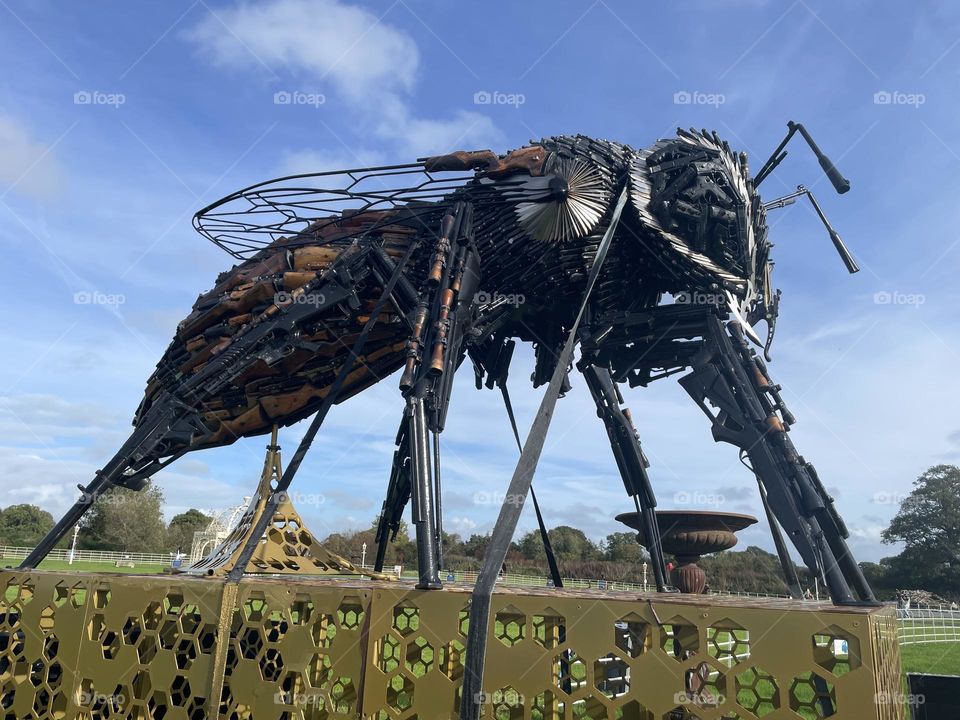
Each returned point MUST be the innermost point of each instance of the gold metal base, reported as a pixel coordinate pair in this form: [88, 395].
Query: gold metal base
[287, 547]
[124, 646]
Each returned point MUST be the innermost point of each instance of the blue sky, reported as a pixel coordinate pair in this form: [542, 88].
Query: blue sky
[119, 120]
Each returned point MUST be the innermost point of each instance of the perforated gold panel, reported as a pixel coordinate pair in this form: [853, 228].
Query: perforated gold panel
[121, 646]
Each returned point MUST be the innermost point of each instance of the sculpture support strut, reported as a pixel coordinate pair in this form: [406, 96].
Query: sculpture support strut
[506, 525]
[745, 410]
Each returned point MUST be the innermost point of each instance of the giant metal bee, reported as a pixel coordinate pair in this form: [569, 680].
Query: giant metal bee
[346, 277]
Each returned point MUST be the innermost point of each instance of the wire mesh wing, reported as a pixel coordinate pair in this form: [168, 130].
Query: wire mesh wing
[299, 207]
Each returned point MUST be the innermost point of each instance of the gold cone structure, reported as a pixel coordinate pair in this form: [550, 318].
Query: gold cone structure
[286, 547]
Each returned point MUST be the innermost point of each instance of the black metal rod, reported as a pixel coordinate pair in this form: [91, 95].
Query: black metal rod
[424, 503]
[544, 535]
[506, 524]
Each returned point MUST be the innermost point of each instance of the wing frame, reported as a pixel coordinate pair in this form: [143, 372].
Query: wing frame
[292, 208]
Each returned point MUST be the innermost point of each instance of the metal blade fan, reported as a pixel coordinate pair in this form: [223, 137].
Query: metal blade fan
[569, 202]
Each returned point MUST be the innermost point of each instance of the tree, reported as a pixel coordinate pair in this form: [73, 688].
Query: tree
[182, 527]
[126, 520]
[570, 544]
[928, 524]
[476, 546]
[24, 525]
[623, 547]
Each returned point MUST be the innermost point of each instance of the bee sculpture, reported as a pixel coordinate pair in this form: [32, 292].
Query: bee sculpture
[654, 261]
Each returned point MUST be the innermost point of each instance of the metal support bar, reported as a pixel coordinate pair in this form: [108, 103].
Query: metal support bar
[726, 374]
[631, 462]
[503, 531]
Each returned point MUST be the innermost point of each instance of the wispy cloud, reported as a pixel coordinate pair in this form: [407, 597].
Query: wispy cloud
[27, 164]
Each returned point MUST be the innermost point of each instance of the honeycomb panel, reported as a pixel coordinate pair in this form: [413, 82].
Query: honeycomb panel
[104, 646]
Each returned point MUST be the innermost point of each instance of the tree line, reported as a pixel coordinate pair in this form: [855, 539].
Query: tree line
[121, 520]
[927, 524]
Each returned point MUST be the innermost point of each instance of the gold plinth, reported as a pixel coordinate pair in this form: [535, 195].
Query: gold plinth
[126, 646]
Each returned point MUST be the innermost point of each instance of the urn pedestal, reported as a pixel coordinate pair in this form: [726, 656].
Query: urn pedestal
[688, 535]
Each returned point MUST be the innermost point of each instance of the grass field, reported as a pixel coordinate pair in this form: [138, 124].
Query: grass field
[934, 658]
[86, 566]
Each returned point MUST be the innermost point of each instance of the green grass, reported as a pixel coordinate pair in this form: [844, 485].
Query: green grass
[933, 658]
[84, 566]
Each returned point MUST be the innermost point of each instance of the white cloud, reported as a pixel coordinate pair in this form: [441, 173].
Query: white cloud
[26, 164]
[371, 65]
[329, 41]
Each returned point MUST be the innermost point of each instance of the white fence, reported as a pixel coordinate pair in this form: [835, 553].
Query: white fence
[97, 556]
[928, 624]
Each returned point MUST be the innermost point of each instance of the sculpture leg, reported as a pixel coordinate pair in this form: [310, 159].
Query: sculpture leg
[434, 351]
[631, 461]
[745, 410]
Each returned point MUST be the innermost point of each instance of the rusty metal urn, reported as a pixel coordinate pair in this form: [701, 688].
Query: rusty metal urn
[690, 534]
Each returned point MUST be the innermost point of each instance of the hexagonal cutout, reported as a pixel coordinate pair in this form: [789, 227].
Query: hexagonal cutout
[420, 656]
[343, 696]
[757, 691]
[324, 630]
[549, 629]
[254, 607]
[400, 693]
[406, 619]
[350, 613]
[507, 704]
[632, 635]
[180, 691]
[680, 639]
[569, 671]
[510, 626]
[835, 651]
[728, 643]
[271, 665]
[706, 685]
[301, 610]
[548, 706]
[388, 653]
[812, 697]
[452, 662]
[319, 670]
[611, 675]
